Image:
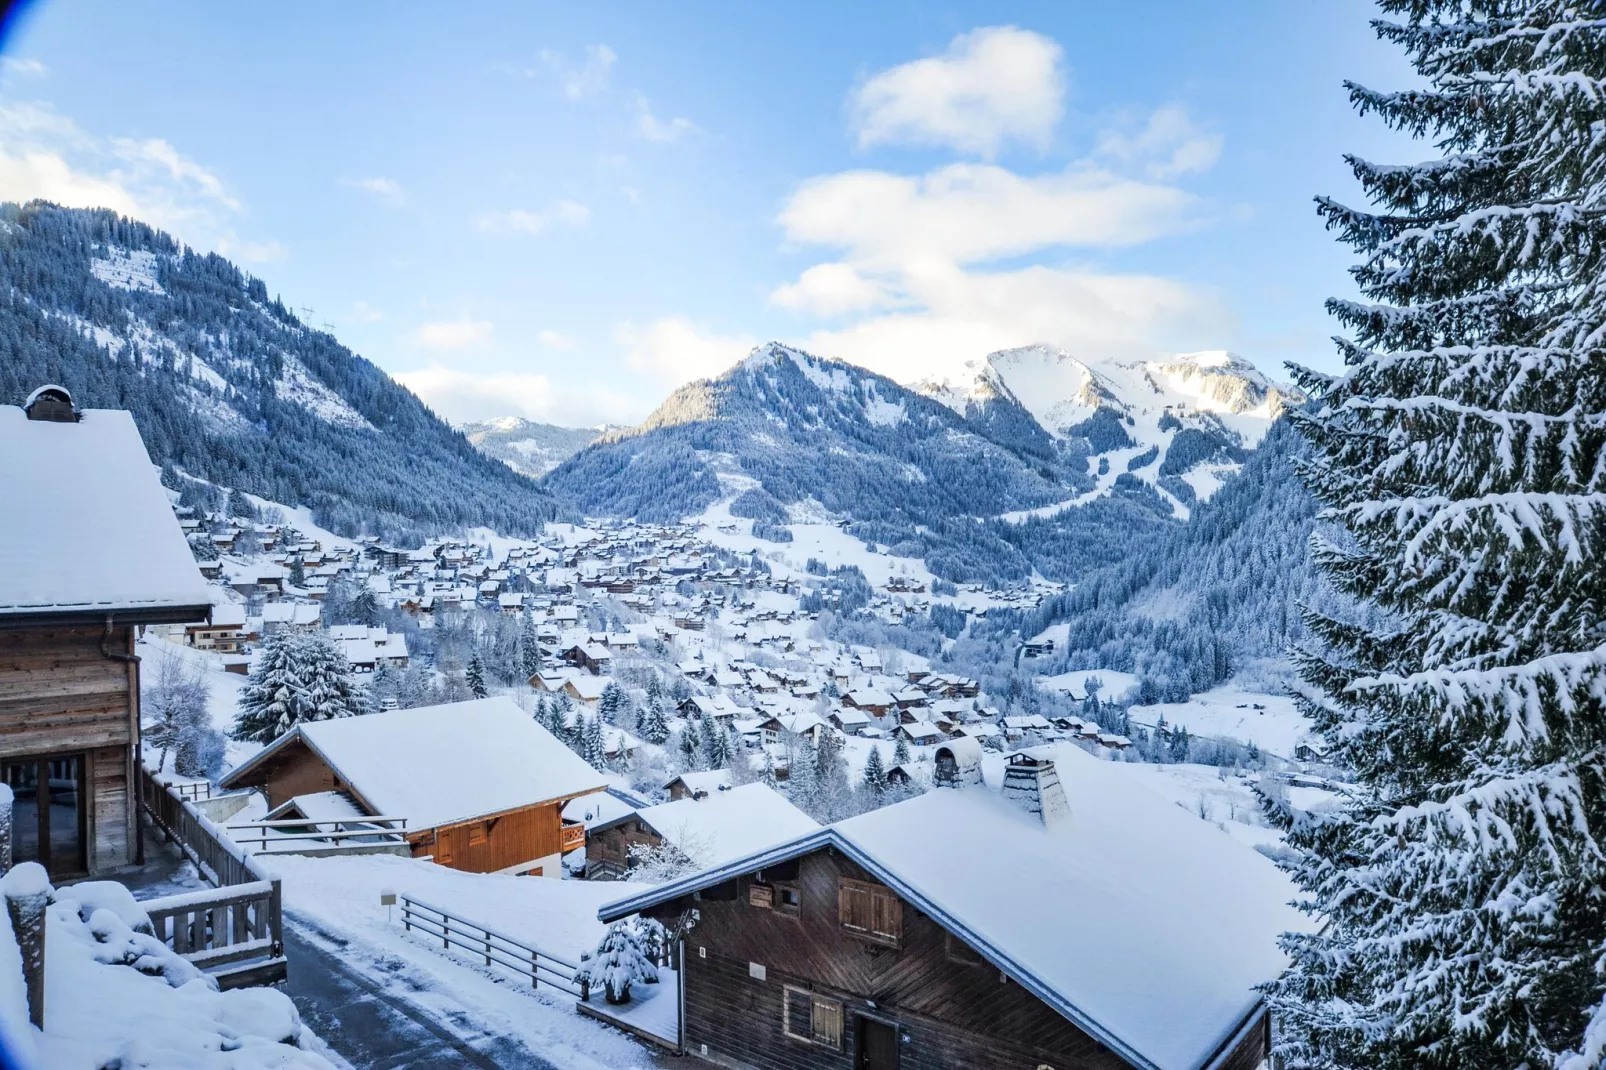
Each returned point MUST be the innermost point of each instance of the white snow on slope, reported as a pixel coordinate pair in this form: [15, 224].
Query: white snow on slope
[1276, 727]
[298, 385]
[127, 270]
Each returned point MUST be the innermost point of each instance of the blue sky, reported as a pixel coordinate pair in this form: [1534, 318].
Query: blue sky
[563, 212]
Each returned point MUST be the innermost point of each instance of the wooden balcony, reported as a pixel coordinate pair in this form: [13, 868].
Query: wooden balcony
[574, 836]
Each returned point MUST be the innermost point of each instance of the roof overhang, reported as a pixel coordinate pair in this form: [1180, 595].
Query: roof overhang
[119, 615]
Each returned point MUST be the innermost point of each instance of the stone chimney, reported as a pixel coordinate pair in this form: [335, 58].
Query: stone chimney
[1033, 784]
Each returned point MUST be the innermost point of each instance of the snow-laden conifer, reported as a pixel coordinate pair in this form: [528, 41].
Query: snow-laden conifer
[1462, 454]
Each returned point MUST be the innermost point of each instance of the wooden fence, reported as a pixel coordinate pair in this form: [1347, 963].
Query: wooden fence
[300, 835]
[495, 948]
[217, 930]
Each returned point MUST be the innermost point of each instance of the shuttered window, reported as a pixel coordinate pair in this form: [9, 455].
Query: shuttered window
[870, 911]
[812, 1017]
[476, 835]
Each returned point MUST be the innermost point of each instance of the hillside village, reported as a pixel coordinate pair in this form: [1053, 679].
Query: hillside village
[328, 723]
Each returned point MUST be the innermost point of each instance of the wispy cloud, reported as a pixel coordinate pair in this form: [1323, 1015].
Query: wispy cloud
[993, 85]
[580, 78]
[661, 131]
[386, 190]
[527, 222]
[1170, 144]
[676, 350]
[25, 68]
[46, 155]
[554, 339]
[454, 334]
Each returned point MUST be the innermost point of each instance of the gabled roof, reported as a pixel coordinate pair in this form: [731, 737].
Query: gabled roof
[87, 527]
[437, 765]
[1040, 909]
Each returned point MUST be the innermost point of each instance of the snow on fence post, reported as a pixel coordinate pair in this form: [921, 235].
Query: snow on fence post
[5, 829]
[26, 890]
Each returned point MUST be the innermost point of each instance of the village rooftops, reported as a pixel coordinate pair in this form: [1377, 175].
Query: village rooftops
[88, 529]
[722, 825]
[1170, 993]
[437, 765]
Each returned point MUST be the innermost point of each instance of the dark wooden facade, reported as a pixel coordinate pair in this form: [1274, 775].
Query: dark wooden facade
[487, 844]
[608, 846]
[929, 1002]
[70, 706]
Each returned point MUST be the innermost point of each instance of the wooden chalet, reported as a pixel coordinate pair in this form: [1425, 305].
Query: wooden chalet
[873, 944]
[480, 784]
[711, 824]
[89, 552]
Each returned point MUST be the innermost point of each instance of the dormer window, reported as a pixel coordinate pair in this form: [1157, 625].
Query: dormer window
[51, 404]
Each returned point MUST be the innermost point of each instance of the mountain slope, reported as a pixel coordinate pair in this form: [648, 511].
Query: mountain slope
[1191, 608]
[228, 386]
[1181, 424]
[529, 448]
[821, 437]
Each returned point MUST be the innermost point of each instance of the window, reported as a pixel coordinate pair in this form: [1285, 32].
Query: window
[787, 899]
[760, 895]
[869, 911]
[443, 849]
[476, 835]
[961, 952]
[813, 1018]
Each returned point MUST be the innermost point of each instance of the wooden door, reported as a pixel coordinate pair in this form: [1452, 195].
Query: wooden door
[878, 1045]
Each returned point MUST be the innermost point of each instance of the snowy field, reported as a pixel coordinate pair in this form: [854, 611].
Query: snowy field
[339, 897]
[1228, 712]
[1112, 684]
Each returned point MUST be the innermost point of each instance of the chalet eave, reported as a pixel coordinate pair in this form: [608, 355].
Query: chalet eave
[119, 615]
[829, 837]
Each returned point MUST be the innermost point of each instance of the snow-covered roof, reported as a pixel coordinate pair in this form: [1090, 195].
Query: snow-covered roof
[1213, 908]
[707, 780]
[598, 808]
[728, 824]
[87, 527]
[436, 765]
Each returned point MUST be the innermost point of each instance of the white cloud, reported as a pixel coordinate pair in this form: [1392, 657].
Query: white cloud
[386, 190]
[26, 68]
[363, 312]
[969, 212]
[45, 155]
[584, 78]
[994, 85]
[525, 221]
[454, 334]
[1169, 145]
[554, 339]
[462, 396]
[675, 350]
[925, 271]
[661, 131]
[833, 289]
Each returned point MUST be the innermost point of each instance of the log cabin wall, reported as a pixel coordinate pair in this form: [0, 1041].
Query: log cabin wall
[297, 770]
[61, 695]
[954, 1009]
[496, 843]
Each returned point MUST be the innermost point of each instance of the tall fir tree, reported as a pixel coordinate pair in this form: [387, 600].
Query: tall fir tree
[900, 751]
[529, 646]
[298, 678]
[593, 747]
[652, 725]
[1462, 452]
[875, 775]
[476, 676]
[611, 702]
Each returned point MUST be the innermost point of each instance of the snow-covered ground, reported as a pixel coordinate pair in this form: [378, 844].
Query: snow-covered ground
[1269, 721]
[1112, 684]
[340, 896]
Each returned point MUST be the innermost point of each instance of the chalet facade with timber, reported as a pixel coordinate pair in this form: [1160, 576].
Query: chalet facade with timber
[90, 551]
[972, 927]
[480, 785]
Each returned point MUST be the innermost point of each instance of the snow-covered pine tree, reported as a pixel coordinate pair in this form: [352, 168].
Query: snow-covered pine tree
[900, 752]
[802, 780]
[651, 725]
[618, 963]
[1462, 451]
[687, 745]
[529, 646]
[297, 678]
[715, 742]
[611, 702]
[476, 676]
[767, 776]
[593, 748]
[875, 774]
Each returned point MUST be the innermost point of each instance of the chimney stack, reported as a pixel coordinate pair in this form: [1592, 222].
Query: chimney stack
[1033, 784]
[52, 404]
